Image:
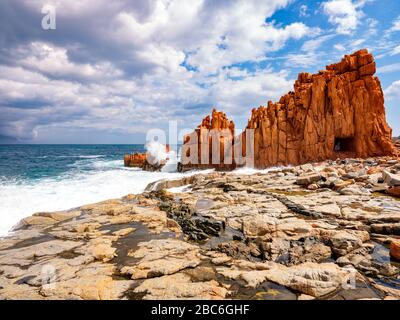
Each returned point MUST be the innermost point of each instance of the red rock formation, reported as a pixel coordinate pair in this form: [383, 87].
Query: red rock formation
[200, 142]
[135, 160]
[139, 160]
[338, 112]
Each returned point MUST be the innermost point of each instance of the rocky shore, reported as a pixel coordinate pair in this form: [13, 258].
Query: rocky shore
[315, 231]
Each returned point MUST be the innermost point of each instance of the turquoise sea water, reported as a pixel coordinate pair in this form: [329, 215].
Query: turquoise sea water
[37, 178]
[33, 162]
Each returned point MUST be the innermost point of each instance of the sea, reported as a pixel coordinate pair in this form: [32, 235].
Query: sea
[41, 178]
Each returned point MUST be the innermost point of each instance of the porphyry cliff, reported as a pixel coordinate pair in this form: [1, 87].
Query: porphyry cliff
[202, 140]
[336, 113]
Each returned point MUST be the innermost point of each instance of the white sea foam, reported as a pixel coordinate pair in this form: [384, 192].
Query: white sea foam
[156, 152]
[75, 188]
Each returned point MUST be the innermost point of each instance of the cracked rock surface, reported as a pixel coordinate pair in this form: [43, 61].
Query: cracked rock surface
[275, 234]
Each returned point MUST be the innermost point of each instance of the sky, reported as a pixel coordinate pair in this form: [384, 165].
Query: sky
[111, 71]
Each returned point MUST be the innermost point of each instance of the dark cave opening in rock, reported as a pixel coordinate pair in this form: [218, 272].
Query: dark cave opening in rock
[344, 144]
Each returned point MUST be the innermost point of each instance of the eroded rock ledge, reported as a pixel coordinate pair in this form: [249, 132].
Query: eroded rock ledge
[305, 232]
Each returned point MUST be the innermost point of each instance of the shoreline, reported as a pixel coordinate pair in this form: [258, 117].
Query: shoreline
[228, 236]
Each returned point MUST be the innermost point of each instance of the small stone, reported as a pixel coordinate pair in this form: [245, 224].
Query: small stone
[101, 250]
[313, 186]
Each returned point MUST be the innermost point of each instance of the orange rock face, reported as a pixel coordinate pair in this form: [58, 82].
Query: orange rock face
[336, 113]
[135, 160]
[197, 151]
[395, 249]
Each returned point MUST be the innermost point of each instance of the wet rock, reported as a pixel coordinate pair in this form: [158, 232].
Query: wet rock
[256, 230]
[353, 190]
[346, 241]
[235, 249]
[180, 286]
[310, 278]
[162, 257]
[386, 228]
[295, 251]
[123, 232]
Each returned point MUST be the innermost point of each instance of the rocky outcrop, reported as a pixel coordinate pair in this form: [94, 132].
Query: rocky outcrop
[199, 147]
[336, 113]
[223, 236]
[395, 249]
[146, 161]
[136, 160]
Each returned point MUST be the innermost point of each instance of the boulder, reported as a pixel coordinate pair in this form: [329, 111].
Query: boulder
[307, 179]
[395, 249]
[345, 241]
[391, 179]
[136, 160]
[310, 278]
[180, 286]
[394, 191]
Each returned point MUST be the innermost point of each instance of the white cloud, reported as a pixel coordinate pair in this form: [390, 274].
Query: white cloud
[345, 14]
[54, 61]
[301, 60]
[395, 51]
[393, 91]
[137, 64]
[389, 68]
[314, 44]
[395, 25]
[339, 47]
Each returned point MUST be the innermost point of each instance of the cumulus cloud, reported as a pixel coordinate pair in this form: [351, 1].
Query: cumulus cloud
[344, 14]
[393, 91]
[127, 66]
